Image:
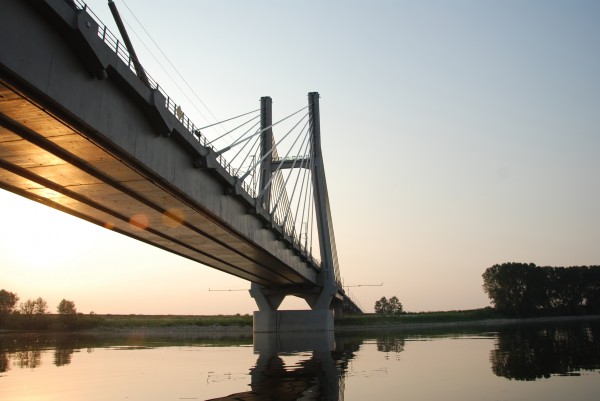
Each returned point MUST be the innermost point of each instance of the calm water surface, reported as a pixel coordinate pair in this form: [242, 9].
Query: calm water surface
[524, 362]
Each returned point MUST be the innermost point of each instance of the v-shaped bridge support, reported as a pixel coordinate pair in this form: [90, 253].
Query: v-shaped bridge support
[321, 297]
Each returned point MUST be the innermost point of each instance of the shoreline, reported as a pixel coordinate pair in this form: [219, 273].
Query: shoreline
[465, 323]
[187, 330]
[247, 330]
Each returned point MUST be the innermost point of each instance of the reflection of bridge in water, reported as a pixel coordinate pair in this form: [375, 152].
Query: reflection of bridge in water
[319, 375]
[84, 129]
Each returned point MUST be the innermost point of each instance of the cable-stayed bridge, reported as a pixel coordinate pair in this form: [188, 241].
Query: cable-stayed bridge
[86, 130]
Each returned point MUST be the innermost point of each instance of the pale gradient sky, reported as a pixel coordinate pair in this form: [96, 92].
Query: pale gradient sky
[456, 135]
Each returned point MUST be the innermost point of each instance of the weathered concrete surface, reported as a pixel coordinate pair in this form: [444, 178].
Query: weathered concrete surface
[272, 343]
[269, 321]
[81, 133]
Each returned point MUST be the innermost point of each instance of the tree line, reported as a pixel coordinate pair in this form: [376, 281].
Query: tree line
[524, 289]
[34, 314]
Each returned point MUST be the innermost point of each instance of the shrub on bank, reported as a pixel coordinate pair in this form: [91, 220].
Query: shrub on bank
[369, 319]
[50, 322]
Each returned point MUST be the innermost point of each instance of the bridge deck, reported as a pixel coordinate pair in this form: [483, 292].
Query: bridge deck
[81, 133]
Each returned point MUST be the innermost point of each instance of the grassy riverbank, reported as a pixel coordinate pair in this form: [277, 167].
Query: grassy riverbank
[53, 322]
[371, 319]
[357, 321]
[420, 317]
[132, 321]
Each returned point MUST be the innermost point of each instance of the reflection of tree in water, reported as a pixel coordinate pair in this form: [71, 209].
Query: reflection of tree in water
[390, 344]
[24, 353]
[31, 358]
[4, 365]
[530, 353]
[4, 355]
[62, 356]
[25, 350]
[64, 351]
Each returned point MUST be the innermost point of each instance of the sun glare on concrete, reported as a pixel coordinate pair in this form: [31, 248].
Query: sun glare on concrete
[173, 218]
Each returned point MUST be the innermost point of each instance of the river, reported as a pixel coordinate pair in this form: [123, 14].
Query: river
[511, 362]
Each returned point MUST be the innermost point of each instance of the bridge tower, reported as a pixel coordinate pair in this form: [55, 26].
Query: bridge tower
[322, 299]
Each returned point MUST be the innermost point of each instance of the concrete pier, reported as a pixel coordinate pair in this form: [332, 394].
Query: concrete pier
[269, 321]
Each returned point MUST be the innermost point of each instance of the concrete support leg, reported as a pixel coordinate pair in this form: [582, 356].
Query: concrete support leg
[264, 300]
[321, 299]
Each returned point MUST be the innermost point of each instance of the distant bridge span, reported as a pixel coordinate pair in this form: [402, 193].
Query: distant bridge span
[82, 133]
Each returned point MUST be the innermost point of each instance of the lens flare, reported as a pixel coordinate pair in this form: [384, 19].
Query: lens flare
[140, 221]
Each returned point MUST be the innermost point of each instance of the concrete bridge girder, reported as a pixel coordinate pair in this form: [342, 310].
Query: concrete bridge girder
[80, 132]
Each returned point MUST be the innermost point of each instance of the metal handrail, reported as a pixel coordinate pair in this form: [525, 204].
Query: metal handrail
[120, 50]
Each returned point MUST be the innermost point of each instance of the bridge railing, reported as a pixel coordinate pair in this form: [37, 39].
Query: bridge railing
[121, 51]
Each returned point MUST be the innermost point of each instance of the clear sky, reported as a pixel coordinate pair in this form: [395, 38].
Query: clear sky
[456, 135]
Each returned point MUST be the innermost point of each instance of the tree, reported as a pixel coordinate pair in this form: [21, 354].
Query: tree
[395, 306]
[41, 306]
[34, 307]
[34, 314]
[66, 307]
[516, 288]
[8, 300]
[566, 288]
[68, 313]
[381, 306]
[388, 307]
[27, 307]
[592, 288]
